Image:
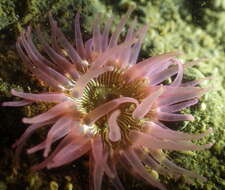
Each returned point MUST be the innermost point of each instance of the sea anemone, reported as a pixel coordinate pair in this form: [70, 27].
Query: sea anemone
[107, 104]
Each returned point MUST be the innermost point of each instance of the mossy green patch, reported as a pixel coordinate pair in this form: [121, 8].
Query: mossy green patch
[7, 13]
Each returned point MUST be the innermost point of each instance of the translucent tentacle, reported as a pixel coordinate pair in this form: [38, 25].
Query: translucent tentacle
[174, 117]
[97, 38]
[99, 162]
[177, 81]
[149, 65]
[77, 90]
[105, 35]
[138, 167]
[114, 129]
[178, 106]
[16, 103]
[116, 33]
[106, 108]
[137, 46]
[54, 112]
[167, 133]
[144, 107]
[62, 126]
[152, 142]
[45, 97]
[78, 37]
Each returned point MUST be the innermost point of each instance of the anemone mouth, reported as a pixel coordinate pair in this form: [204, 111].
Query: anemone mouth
[109, 86]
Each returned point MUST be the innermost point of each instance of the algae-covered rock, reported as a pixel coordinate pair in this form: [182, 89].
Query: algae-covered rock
[7, 13]
[197, 28]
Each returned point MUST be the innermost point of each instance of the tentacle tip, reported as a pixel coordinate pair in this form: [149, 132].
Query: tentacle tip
[29, 151]
[179, 53]
[29, 28]
[203, 179]
[162, 187]
[210, 145]
[209, 88]
[111, 68]
[45, 154]
[50, 165]
[34, 168]
[131, 8]
[14, 145]
[25, 120]
[210, 130]
[175, 53]
[191, 118]
[50, 14]
[114, 138]
[12, 91]
[3, 104]
[18, 39]
[135, 115]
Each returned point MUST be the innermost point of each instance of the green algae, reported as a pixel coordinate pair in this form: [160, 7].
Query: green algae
[193, 27]
[7, 13]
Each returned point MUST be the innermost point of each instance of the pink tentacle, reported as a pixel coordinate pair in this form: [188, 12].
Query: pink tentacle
[154, 143]
[62, 126]
[28, 62]
[99, 162]
[114, 129]
[145, 67]
[54, 27]
[38, 61]
[70, 153]
[154, 164]
[195, 82]
[163, 74]
[176, 169]
[115, 36]
[106, 108]
[73, 55]
[78, 36]
[67, 140]
[62, 63]
[16, 103]
[89, 48]
[29, 131]
[105, 35]
[97, 38]
[125, 55]
[145, 106]
[54, 112]
[164, 116]
[75, 130]
[19, 144]
[173, 96]
[137, 46]
[178, 79]
[110, 53]
[167, 133]
[130, 33]
[77, 91]
[28, 38]
[138, 167]
[178, 106]
[45, 97]
[157, 78]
